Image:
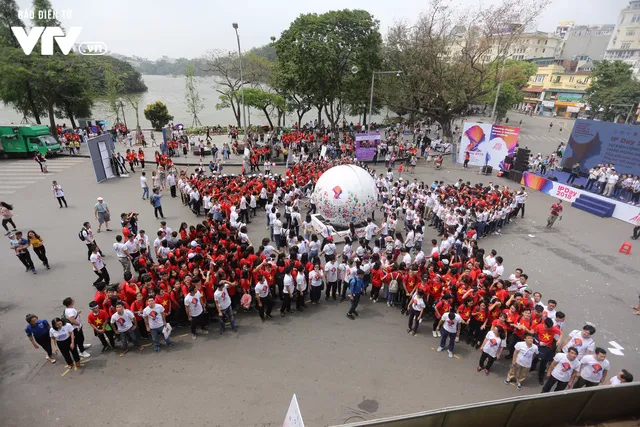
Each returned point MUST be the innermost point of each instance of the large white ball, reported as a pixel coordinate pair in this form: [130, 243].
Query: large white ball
[345, 194]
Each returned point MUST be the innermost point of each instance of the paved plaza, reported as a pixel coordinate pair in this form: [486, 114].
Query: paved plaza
[341, 370]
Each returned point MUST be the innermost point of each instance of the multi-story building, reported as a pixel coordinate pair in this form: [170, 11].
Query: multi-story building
[625, 40]
[536, 44]
[584, 42]
[558, 88]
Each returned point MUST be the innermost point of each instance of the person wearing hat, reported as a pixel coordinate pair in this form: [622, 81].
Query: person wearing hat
[102, 214]
[356, 285]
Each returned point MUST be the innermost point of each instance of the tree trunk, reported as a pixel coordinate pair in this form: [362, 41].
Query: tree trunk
[52, 118]
[266, 114]
[32, 104]
[67, 107]
[319, 107]
[447, 134]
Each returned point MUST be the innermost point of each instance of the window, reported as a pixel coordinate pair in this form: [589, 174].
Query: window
[635, 18]
[571, 79]
[625, 46]
[540, 78]
[543, 50]
[558, 79]
[536, 50]
[586, 80]
[546, 41]
[538, 41]
[630, 33]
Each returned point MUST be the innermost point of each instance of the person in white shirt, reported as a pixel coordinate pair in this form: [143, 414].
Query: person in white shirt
[124, 324]
[416, 309]
[581, 341]
[58, 194]
[124, 257]
[99, 268]
[329, 249]
[370, 231]
[524, 353]
[276, 225]
[496, 270]
[562, 371]
[63, 339]
[492, 347]
[223, 304]
[155, 320]
[623, 376]
[612, 179]
[316, 279]
[195, 304]
[287, 291]
[449, 326]
[593, 369]
[74, 318]
[264, 301]
[331, 273]
[145, 186]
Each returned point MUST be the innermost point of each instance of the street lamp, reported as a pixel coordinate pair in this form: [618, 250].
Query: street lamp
[373, 78]
[244, 114]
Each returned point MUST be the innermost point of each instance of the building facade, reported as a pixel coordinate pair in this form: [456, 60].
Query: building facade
[625, 40]
[557, 89]
[584, 42]
[536, 44]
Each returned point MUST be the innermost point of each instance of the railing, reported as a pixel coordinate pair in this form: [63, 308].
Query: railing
[565, 408]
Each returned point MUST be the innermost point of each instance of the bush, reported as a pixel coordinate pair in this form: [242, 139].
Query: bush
[158, 114]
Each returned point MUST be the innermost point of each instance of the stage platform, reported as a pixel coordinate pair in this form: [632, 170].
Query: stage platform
[600, 205]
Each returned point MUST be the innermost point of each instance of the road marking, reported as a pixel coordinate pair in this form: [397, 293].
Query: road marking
[82, 362]
[617, 348]
[456, 356]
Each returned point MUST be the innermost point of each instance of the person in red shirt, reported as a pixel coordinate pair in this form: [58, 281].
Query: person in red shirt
[524, 325]
[556, 210]
[546, 334]
[100, 294]
[478, 324]
[99, 321]
[136, 307]
[377, 275]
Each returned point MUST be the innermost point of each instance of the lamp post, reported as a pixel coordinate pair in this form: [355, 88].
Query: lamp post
[495, 102]
[244, 114]
[373, 78]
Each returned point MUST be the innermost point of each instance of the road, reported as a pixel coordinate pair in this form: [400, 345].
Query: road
[340, 369]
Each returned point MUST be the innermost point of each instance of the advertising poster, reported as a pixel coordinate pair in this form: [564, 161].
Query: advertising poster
[487, 144]
[366, 144]
[593, 142]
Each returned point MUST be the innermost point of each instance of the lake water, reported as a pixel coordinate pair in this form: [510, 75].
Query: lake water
[170, 90]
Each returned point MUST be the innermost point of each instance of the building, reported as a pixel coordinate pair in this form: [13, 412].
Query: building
[584, 42]
[625, 40]
[537, 44]
[558, 88]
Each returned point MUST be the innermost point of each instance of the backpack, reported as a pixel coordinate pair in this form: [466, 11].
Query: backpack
[81, 235]
[393, 285]
[64, 319]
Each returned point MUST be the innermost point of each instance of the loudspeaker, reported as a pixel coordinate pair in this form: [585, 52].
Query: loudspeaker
[522, 154]
[515, 176]
[508, 160]
[487, 170]
[553, 178]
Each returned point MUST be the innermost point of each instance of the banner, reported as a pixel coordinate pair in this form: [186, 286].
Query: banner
[366, 144]
[487, 143]
[593, 142]
[623, 211]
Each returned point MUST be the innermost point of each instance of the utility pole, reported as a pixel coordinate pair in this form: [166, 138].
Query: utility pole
[244, 114]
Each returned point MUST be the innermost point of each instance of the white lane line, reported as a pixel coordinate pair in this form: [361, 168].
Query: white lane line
[616, 348]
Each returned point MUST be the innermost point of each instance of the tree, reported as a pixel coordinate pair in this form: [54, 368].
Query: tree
[9, 17]
[134, 101]
[192, 98]
[613, 91]
[264, 101]
[158, 114]
[451, 61]
[113, 88]
[41, 17]
[317, 54]
[226, 69]
[515, 77]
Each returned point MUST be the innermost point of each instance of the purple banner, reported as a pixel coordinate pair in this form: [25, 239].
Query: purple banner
[366, 144]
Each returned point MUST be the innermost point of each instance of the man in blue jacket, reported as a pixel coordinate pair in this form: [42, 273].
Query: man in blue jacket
[355, 287]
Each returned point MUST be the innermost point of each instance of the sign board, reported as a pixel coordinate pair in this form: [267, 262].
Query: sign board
[366, 144]
[294, 416]
[487, 144]
[593, 142]
[548, 103]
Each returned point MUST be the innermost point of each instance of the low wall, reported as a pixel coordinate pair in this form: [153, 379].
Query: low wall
[572, 407]
[623, 211]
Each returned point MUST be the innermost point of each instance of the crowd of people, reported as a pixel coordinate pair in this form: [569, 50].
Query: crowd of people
[211, 270]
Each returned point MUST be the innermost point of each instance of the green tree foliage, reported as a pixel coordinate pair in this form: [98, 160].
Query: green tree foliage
[316, 56]
[613, 91]
[264, 101]
[192, 98]
[42, 16]
[9, 17]
[158, 114]
[450, 62]
[515, 77]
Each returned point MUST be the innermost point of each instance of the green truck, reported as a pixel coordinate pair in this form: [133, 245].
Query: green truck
[25, 140]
